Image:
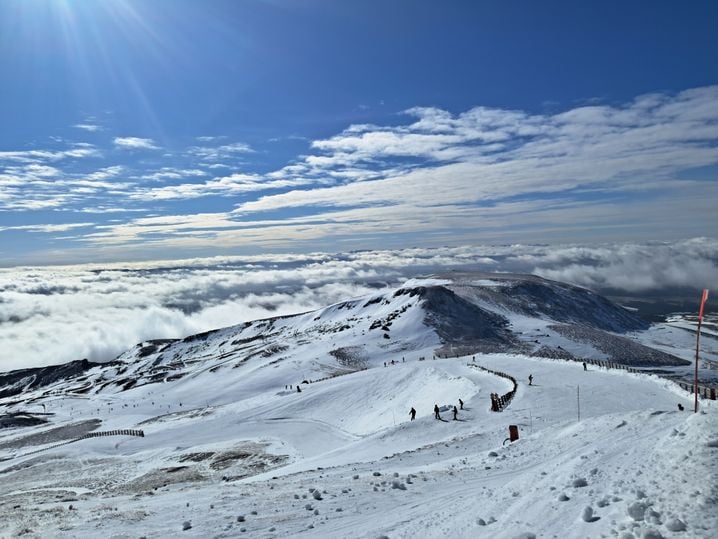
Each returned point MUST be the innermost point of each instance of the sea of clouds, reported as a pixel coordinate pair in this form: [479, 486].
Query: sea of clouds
[51, 315]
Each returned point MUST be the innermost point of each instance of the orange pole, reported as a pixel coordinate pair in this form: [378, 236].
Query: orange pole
[695, 378]
[704, 298]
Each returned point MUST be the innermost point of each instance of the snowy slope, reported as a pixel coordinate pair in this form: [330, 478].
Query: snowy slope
[204, 464]
[470, 313]
[227, 437]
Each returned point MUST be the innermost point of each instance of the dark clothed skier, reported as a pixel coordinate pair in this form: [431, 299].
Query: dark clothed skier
[584, 366]
[456, 412]
[461, 404]
[299, 390]
[531, 379]
[436, 412]
[412, 413]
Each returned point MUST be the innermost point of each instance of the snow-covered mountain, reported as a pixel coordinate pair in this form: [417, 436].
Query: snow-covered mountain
[299, 425]
[450, 315]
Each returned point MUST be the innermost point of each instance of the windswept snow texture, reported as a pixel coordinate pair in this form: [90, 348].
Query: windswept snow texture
[232, 448]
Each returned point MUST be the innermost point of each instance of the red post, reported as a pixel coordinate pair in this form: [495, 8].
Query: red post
[704, 298]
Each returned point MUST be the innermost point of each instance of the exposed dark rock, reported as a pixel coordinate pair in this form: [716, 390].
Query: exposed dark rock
[16, 382]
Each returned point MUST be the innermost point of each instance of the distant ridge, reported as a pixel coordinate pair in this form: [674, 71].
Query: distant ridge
[467, 313]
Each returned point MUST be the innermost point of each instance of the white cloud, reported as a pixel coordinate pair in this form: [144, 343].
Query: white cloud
[49, 228]
[89, 127]
[170, 173]
[490, 154]
[596, 172]
[57, 314]
[224, 186]
[38, 156]
[634, 268]
[218, 153]
[105, 173]
[98, 314]
[135, 143]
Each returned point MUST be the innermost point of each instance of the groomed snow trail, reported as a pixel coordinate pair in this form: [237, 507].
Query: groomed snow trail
[639, 464]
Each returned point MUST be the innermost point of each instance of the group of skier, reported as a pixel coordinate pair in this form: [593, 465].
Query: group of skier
[392, 362]
[437, 415]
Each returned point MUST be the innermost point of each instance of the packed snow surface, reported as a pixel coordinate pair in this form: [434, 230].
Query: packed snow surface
[231, 448]
[636, 461]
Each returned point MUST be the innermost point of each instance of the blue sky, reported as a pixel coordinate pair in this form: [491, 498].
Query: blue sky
[134, 130]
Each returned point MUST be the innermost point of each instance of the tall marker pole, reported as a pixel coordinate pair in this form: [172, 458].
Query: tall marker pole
[578, 402]
[704, 298]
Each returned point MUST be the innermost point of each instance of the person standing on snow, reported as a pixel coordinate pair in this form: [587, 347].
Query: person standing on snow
[461, 404]
[584, 366]
[412, 413]
[436, 411]
[531, 379]
[456, 412]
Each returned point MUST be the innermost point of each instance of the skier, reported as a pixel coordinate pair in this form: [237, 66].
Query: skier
[456, 412]
[461, 404]
[680, 407]
[412, 413]
[531, 379]
[584, 366]
[436, 411]
[299, 390]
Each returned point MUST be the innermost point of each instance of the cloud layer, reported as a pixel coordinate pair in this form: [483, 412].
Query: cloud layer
[642, 170]
[50, 315]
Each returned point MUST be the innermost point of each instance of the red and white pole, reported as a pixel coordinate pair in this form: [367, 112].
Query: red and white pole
[704, 298]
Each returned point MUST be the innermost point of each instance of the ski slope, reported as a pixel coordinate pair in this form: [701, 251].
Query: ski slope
[248, 460]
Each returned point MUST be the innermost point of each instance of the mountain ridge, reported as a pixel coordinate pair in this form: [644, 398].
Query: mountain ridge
[467, 313]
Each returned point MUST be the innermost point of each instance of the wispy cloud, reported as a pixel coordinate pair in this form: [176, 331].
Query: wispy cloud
[491, 154]
[218, 153]
[35, 156]
[135, 143]
[641, 170]
[48, 228]
[106, 173]
[224, 186]
[171, 173]
[33, 186]
[93, 128]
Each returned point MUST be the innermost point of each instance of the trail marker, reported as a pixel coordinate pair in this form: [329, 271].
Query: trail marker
[704, 298]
